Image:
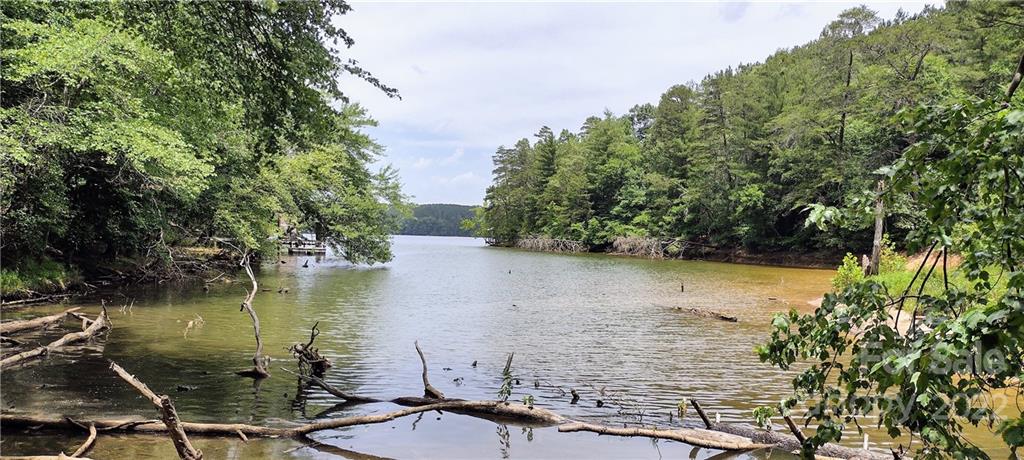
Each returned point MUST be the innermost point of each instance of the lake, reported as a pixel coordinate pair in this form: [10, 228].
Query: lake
[606, 326]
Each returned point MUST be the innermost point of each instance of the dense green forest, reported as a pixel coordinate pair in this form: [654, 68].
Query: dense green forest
[129, 128]
[438, 220]
[735, 159]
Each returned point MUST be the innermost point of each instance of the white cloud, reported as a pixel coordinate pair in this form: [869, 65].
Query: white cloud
[454, 157]
[422, 163]
[468, 178]
[474, 76]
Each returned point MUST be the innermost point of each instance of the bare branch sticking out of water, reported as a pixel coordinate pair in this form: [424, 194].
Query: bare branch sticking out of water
[259, 362]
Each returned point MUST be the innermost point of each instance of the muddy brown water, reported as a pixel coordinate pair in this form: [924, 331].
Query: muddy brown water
[606, 326]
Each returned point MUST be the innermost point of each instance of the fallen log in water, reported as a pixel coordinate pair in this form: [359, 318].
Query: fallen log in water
[169, 415]
[35, 323]
[716, 436]
[693, 436]
[33, 300]
[77, 455]
[88, 444]
[708, 314]
[538, 243]
[124, 424]
[99, 325]
[790, 443]
[486, 409]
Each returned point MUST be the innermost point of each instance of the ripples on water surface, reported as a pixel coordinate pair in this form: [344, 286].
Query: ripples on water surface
[590, 322]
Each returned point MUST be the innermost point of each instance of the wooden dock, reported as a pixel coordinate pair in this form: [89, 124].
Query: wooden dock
[303, 246]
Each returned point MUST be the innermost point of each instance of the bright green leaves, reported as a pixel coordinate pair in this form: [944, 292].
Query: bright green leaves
[943, 364]
[159, 154]
[131, 124]
[330, 190]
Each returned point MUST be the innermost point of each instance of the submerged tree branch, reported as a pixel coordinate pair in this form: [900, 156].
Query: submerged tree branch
[99, 325]
[259, 369]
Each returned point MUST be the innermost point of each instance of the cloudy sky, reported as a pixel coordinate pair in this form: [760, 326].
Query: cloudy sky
[474, 76]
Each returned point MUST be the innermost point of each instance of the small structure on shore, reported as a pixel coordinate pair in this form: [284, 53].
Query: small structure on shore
[296, 244]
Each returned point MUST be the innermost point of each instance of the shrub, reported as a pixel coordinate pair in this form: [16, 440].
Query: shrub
[849, 273]
[890, 260]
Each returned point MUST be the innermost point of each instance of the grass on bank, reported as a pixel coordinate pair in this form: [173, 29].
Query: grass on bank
[36, 277]
[896, 272]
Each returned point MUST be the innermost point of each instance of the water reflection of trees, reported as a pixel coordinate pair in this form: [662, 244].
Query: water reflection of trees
[151, 344]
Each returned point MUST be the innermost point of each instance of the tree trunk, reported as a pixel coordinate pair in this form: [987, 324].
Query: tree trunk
[43, 321]
[846, 102]
[876, 243]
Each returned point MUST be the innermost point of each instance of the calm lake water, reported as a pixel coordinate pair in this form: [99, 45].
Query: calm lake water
[605, 326]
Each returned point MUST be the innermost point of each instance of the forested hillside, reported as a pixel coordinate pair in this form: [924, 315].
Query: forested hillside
[129, 128]
[438, 220]
[735, 159]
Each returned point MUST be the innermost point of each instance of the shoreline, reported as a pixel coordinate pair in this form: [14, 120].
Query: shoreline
[816, 260]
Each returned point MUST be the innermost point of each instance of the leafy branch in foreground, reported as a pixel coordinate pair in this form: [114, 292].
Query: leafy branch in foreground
[929, 365]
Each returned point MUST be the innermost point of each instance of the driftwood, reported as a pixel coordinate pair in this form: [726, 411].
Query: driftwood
[100, 324]
[534, 416]
[44, 457]
[708, 314]
[717, 435]
[46, 298]
[540, 243]
[428, 390]
[168, 414]
[88, 444]
[791, 443]
[310, 360]
[259, 369]
[639, 246]
[43, 321]
[233, 429]
[9, 341]
[693, 436]
[77, 455]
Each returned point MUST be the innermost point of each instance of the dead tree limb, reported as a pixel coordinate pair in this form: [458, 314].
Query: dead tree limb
[1015, 81]
[46, 298]
[428, 390]
[790, 443]
[44, 457]
[88, 444]
[259, 369]
[35, 323]
[309, 357]
[100, 324]
[332, 389]
[496, 408]
[693, 436]
[795, 429]
[700, 412]
[9, 341]
[708, 314]
[168, 414]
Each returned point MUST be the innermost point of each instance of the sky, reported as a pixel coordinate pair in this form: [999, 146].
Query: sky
[474, 76]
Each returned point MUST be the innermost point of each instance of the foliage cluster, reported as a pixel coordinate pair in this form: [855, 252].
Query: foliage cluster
[438, 220]
[128, 127]
[36, 277]
[735, 159]
[957, 358]
[849, 273]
